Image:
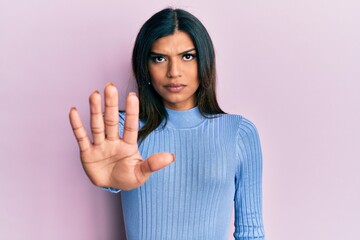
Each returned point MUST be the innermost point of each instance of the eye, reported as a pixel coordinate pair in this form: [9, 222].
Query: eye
[158, 59]
[188, 57]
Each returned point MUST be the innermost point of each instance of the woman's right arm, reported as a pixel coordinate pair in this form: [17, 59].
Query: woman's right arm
[110, 161]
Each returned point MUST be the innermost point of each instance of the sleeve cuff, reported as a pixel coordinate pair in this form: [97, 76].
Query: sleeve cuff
[113, 190]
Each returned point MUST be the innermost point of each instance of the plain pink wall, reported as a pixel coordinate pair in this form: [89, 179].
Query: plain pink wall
[292, 67]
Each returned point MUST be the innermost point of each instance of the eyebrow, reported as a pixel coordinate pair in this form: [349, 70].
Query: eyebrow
[182, 53]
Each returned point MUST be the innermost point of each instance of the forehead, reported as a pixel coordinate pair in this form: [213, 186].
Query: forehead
[175, 43]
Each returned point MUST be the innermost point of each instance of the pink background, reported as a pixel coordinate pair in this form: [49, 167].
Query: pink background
[292, 67]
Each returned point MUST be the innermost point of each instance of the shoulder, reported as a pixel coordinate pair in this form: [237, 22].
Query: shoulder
[247, 132]
[243, 126]
[239, 125]
[239, 120]
[247, 125]
[226, 118]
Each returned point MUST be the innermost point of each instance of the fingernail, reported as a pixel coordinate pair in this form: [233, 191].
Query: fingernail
[73, 108]
[109, 84]
[132, 94]
[96, 91]
[173, 157]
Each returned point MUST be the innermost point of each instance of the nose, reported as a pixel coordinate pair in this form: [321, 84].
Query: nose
[173, 70]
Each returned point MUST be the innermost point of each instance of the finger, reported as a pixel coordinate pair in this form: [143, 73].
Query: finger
[79, 131]
[131, 124]
[97, 121]
[156, 162]
[111, 116]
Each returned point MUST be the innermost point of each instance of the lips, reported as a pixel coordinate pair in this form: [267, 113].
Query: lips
[175, 87]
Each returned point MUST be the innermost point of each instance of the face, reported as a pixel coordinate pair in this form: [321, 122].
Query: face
[173, 70]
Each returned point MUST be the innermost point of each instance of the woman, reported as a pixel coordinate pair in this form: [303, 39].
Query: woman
[218, 157]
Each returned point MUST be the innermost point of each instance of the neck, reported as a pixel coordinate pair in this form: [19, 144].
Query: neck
[184, 118]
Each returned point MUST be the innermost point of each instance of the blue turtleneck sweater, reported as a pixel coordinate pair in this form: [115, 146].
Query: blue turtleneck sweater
[218, 168]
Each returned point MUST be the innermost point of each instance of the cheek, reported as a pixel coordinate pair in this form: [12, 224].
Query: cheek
[195, 75]
[151, 70]
[156, 73]
[193, 71]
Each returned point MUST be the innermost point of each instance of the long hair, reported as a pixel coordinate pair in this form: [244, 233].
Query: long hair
[162, 24]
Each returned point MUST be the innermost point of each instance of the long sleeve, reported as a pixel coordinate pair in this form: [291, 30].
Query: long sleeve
[248, 184]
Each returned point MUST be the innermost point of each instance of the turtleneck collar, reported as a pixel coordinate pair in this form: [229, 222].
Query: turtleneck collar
[184, 119]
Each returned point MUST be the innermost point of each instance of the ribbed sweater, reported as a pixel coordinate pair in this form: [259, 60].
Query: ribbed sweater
[218, 168]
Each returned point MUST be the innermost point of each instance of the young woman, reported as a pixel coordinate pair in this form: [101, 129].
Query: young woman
[218, 157]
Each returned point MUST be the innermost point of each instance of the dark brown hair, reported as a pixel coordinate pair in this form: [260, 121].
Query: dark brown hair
[162, 24]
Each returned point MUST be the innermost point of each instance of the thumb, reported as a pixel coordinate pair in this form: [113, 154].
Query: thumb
[156, 162]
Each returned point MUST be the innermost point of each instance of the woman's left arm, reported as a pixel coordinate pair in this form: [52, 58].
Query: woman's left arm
[248, 194]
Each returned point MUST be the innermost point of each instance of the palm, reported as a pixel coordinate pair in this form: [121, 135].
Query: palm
[112, 158]
[111, 161]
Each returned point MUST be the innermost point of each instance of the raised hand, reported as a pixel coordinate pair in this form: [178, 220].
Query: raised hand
[111, 161]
